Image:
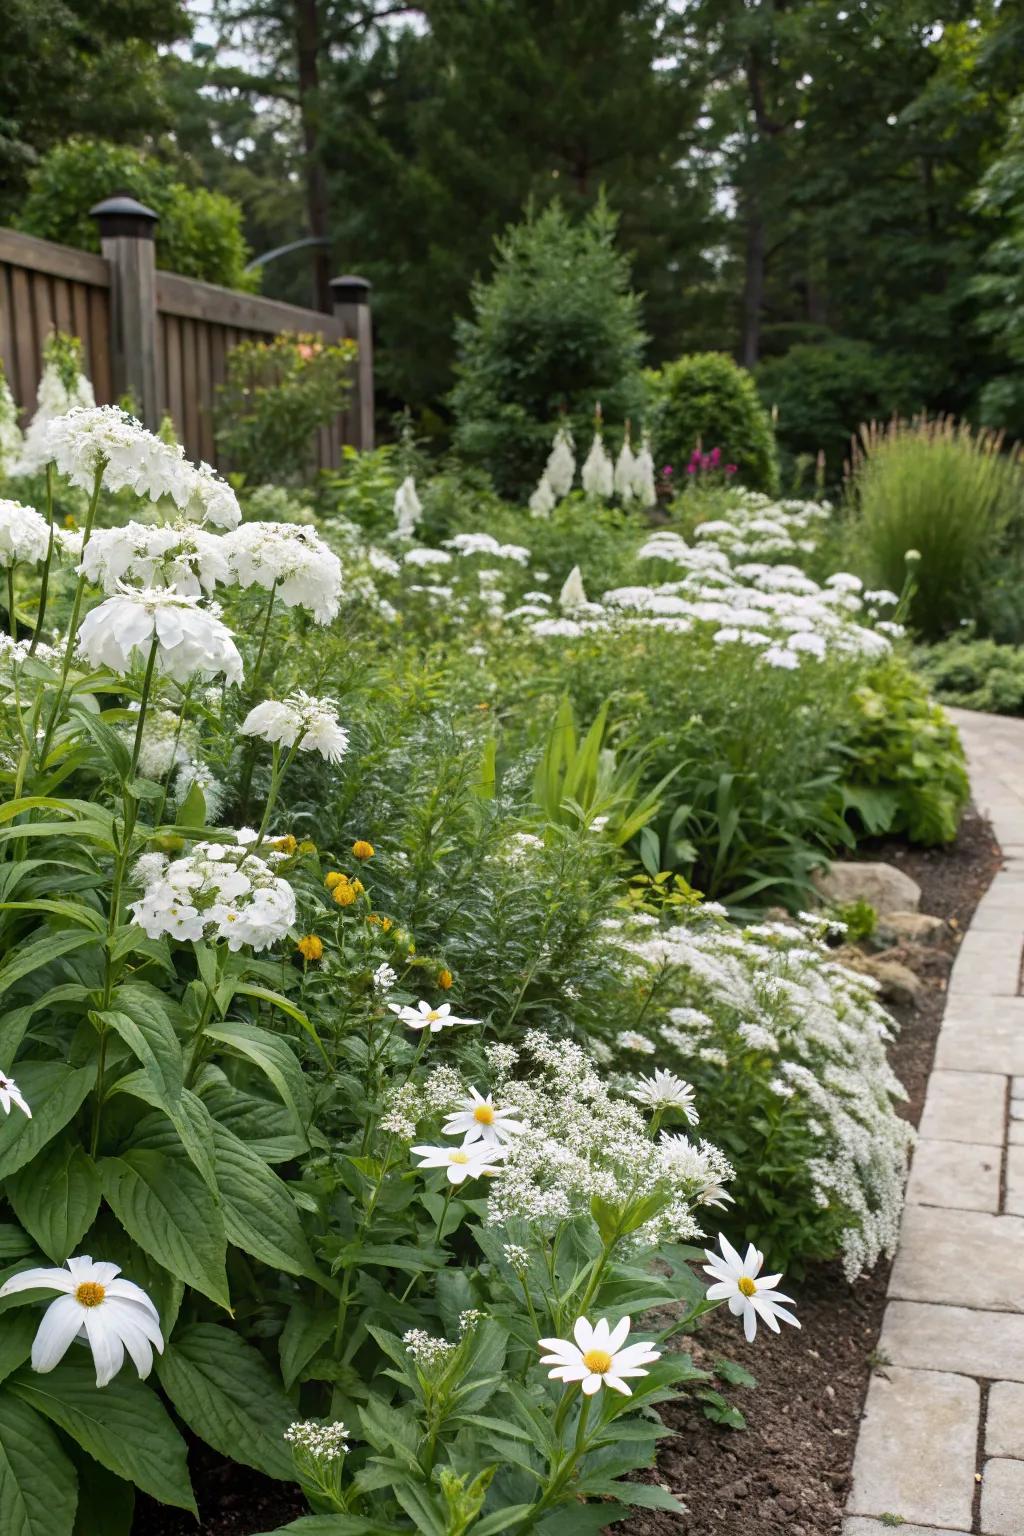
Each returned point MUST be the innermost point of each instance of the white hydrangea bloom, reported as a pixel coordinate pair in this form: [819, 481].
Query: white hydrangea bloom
[598, 475]
[408, 508]
[218, 891]
[292, 560]
[560, 470]
[311, 722]
[179, 555]
[543, 499]
[24, 534]
[118, 634]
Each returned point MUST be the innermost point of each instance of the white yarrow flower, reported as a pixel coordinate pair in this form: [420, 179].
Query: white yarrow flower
[479, 1119]
[599, 1357]
[750, 1294]
[110, 1314]
[119, 633]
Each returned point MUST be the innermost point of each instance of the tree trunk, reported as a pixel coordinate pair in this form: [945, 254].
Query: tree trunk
[753, 285]
[307, 48]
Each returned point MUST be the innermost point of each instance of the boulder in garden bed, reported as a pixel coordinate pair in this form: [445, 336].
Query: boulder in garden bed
[910, 928]
[883, 886]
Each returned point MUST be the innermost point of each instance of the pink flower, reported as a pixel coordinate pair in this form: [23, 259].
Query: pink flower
[667, 471]
[716, 454]
[730, 469]
[691, 469]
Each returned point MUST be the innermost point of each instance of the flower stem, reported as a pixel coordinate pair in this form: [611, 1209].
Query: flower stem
[12, 622]
[76, 610]
[44, 585]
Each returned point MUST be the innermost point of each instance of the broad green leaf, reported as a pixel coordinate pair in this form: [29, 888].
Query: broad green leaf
[14, 1242]
[106, 1504]
[331, 1525]
[74, 911]
[79, 832]
[272, 1055]
[259, 1212]
[56, 1196]
[267, 995]
[167, 1209]
[192, 810]
[124, 1425]
[306, 1329]
[186, 1123]
[38, 1486]
[16, 1335]
[228, 1395]
[54, 1093]
[34, 953]
[151, 1039]
[581, 1519]
[501, 1519]
[16, 1021]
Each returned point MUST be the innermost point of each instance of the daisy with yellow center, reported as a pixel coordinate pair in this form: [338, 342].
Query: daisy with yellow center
[423, 1016]
[599, 1357]
[109, 1314]
[479, 1119]
[750, 1294]
[462, 1162]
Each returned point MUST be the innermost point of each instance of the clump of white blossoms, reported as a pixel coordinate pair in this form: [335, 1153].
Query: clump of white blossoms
[598, 475]
[644, 488]
[110, 1314]
[58, 392]
[120, 632]
[542, 499]
[598, 1356]
[167, 742]
[290, 560]
[578, 1142]
[560, 469]
[666, 1091]
[408, 509]
[625, 470]
[24, 535]
[750, 1294]
[319, 1441]
[218, 891]
[426, 1349]
[821, 1033]
[302, 720]
[181, 556]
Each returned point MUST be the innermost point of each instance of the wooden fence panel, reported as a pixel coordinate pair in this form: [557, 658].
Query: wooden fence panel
[195, 327]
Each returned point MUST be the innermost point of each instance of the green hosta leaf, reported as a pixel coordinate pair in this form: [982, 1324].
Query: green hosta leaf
[56, 1196]
[150, 1036]
[168, 1210]
[54, 1093]
[259, 1213]
[38, 1486]
[273, 1056]
[228, 1395]
[123, 1426]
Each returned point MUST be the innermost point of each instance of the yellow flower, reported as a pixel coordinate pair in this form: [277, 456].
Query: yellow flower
[358, 887]
[310, 948]
[286, 844]
[70, 521]
[306, 846]
[445, 979]
[344, 893]
[334, 877]
[361, 849]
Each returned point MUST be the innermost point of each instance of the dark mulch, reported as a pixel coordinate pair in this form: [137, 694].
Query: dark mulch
[787, 1474]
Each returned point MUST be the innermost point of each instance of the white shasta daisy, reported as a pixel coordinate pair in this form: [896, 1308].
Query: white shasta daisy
[666, 1091]
[480, 1120]
[462, 1163]
[11, 1094]
[111, 1315]
[598, 1358]
[423, 1016]
[750, 1294]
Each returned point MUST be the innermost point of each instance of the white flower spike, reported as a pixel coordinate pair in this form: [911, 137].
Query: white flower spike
[481, 1120]
[598, 1358]
[425, 1017]
[11, 1094]
[750, 1297]
[110, 1314]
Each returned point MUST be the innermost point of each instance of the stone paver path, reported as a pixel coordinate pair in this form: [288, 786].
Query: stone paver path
[941, 1445]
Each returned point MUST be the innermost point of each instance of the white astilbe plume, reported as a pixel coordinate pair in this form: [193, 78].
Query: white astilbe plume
[560, 470]
[218, 891]
[180, 555]
[313, 723]
[291, 560]
[598, 475]
[408, 508]
[573, 594]
[644, 488]
[542, 501]
[11, 442]
[119, 633]
[625, 471]
[24, 535]
[53, 398]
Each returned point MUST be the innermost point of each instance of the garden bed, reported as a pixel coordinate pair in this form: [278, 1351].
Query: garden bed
[788, 1473]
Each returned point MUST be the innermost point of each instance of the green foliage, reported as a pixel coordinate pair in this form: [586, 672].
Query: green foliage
[200, 231]
[707, 399]
[276, 396]
[951, 495]
[905, 764]
[858, 917]
[823, 391]
[555, 332]
[975, 674]
[999, 287]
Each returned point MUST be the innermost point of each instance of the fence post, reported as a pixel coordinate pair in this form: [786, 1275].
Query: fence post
[127, 235]
[350, 296]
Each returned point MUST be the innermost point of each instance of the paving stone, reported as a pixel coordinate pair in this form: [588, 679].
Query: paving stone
[962, 1258]
[1004, 1420]
[928, 1337]
[987, 962]
[915, 1453]
[958, 1174]
[1016, 1109]
[984, 1044]
[1015, 1133]
[1015, 1175]
[1017, 1088]
[1000, 917]
[1002, 1498]
[859, 1526]
[965, 1106]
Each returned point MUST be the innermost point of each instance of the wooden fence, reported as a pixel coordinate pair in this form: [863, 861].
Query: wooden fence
[161, 337]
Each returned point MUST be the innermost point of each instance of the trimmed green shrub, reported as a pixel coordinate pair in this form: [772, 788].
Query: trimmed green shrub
[708, 399]
[976, 674]
[555, 331]
[199, 234]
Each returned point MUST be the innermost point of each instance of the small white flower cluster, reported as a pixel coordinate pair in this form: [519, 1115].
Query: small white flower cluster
[219, 890]
[774, 989]
[468, 544]
[290, 560]
[427, 1351]
[758, 527]
[179, 555]
[321, 1442]
[24, 535]
[302, 719]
